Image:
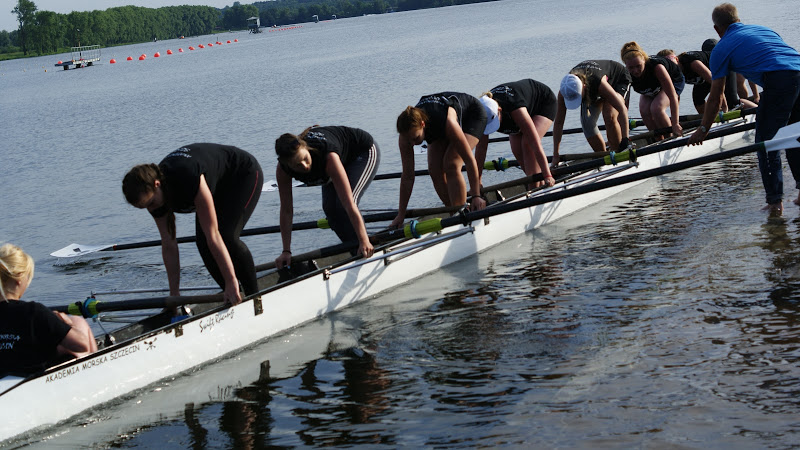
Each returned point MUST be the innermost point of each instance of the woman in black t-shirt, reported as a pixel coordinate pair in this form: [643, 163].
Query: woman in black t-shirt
[33, 338]
[659, 83]
[222, 185]
[344, 161]
[451, 123]
[524, 110]
[596, 86]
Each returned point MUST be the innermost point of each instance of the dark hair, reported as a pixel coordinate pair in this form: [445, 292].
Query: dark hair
[709, 44]
[140, 180]
[410, 118]
[287, 144]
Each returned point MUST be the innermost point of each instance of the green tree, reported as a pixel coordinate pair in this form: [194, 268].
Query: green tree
[26, 16]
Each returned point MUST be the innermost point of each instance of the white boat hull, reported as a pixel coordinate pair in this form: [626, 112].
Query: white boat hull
[128, 366]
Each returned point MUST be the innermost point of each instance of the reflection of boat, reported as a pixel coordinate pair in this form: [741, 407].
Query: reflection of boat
[154, 349]
[218, 382]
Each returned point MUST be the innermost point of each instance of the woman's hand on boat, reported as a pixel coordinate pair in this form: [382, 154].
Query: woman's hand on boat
[697, 137]
[554, 161]
[232, 295]
[283, 260]
[397, 222]
[477, 204]
[366, 249]
[549, 181]
[677, 129]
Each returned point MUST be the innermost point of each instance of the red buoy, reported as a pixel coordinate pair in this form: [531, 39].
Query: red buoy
[130, 58]
[180, 50]
[169, 52]
[191, 48]
[157, 55]
[201, 46]
[210, 44]
[142, 58]
[229, 41]
[235, 40]
[60, 62]
[113, 61]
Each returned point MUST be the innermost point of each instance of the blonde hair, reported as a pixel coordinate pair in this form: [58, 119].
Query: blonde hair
[632, 50]
[15, 265]
[410, 118]
[724, 15]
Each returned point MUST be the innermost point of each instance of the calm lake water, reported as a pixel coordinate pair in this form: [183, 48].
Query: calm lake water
[666, 317]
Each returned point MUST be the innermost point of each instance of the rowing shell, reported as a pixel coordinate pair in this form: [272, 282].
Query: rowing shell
[133, 363]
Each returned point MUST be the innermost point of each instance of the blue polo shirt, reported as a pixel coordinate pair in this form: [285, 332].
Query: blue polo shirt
[752, 50]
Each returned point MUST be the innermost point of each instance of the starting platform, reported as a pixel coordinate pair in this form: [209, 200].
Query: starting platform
[82, 56]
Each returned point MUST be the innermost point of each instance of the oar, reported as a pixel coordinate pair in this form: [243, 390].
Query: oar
[788, 138]
[685, 121]
[618, 157]
[74, 250]
[91, 306]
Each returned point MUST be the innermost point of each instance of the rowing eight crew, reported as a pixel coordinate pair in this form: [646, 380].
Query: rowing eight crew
[222, 184]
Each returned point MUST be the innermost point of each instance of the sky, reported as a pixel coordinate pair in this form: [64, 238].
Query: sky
[8, 20]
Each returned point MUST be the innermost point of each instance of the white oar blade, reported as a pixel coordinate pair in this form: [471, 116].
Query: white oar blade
[786, 137]
[73, 250]
[272, 185]
[421, 149]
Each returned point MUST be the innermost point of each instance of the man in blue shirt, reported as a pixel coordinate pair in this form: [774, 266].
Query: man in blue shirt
[763, 57]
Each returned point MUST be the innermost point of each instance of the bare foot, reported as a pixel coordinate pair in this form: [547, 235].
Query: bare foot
[774, 209]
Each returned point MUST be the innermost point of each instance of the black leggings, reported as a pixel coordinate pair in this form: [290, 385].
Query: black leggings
[234, 203]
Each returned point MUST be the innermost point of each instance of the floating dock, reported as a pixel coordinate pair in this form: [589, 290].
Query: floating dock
[82, 56]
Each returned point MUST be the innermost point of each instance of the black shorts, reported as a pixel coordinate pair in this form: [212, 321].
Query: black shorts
[473, 119]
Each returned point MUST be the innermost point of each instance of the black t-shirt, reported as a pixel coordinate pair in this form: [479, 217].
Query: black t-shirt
[222, 165]
[437, 105]
[595, 69]
[29, 337]
[686, 60]
[537, 98]
[648, 84]
[346, 142]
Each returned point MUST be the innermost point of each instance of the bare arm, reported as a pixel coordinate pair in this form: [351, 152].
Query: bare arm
[170, 255]
[341, 184]
[558, 127]
[207, 217]
[666, 85]
[284, 181]
[531, 140]
[705, 73]
[406, 179]
[712, 108]
[480, 152]
[79, 341]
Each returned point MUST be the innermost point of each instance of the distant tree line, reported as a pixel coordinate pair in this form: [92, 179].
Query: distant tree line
[47, 32]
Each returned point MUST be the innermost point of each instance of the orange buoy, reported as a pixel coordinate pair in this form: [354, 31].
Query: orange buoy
[113, 61]
[157, 55]
[169, 52]
[142, 58]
